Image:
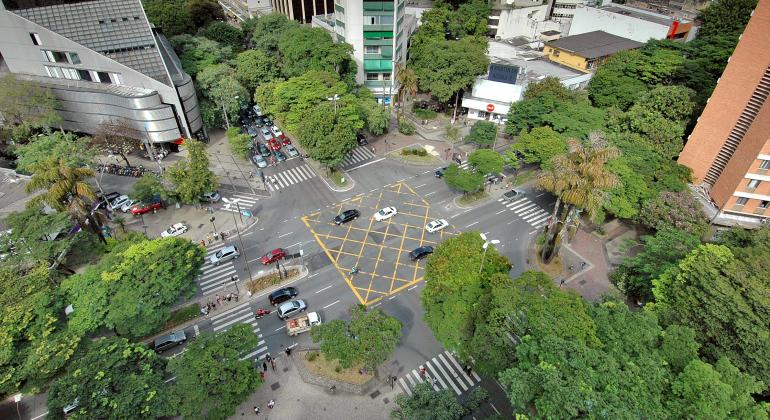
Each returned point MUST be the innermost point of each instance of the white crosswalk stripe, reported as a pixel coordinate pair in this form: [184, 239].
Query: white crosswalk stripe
[447, 372]
[463, 165]
[243, 315]
[245, 202]
[357, 155]
[529, 211]
[212, 277]
[289, 177]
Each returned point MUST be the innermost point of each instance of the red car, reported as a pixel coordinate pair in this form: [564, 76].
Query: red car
[142, 208]
[285, 141]
[274, 145]
[273, 256]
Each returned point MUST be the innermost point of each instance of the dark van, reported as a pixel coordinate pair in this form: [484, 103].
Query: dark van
[282, 295]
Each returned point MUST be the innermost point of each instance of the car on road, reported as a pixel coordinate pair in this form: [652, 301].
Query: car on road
[273, 256]
[259, 161]
[225, 254]
[117, 203]
[291, 308]
[361, 139]
[142, 208]
[211, 197]
[175, 230]
[512, 194]
[421, 252]
[277, 132]
[282, 295]
[440, 172]
[128, 205]
[274, 144]
[291, 150]
[279, 156]
[263, 150]
[346, 216]
[385, 214]
[170, 340]
[436, 225]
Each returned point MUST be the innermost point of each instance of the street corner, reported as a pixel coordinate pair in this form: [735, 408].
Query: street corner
[372, 256]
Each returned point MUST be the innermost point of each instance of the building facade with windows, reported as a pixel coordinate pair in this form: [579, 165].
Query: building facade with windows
[729, 148]
[378, 32]
[585, 52]
[629, 22]
[104, 62]
[302, 10]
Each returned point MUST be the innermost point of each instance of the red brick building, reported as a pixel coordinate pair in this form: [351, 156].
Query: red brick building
[729, 149]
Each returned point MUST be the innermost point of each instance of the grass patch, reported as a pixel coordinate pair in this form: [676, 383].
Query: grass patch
[182, 315]
[408, 155]
[472, 198]
[424, 114]
[337, 177]
[524, 176]
[271, 279]
[316, 363]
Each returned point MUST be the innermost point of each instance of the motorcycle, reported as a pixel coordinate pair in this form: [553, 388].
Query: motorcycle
[261, 312]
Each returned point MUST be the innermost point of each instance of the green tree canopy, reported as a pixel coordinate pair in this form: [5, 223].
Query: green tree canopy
[455, 291]
[328, 134]
[463, 180]
[253, 68]
[445, 67]
[486, 161]
[482, 133]
[32, 234]
[148, 187]
[192, 177]
[269, 30]
[195, 53]
[211, 377]
[240, 144]
[24, 103]
[677, 210]
[114, 379]
[369, 338]
[428, 404]
[203, 12]
[304, 49]
[725, 17]
[375, 116]
[223, 33]
[73, 149]
[172, 16]
[540, 145]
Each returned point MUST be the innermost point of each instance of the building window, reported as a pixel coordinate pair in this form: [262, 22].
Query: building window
[765, 164]
[386, 20]
[372, 76]
[116, 78]
[385, 76]
[763, 204]
[54, 72]
[35, 38]
[754, 183]
[104, 77]
[71, 74]
[371, 49]
[85, 75]
[74, 58]
[55, 56]
[742, 201]
[483, 114]
[370, 20]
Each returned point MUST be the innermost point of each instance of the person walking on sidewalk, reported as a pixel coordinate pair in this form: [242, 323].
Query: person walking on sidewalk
[264, 366]
[271, 404]
[256, 410]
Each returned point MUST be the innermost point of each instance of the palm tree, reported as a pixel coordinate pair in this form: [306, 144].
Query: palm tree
[407, 82]
[579, 180]
[65, 191]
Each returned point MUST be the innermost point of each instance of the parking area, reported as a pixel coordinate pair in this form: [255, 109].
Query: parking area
[379, 249]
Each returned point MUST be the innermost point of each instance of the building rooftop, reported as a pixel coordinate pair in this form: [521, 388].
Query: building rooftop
[532, 66]
[639, 14]
[594, 44]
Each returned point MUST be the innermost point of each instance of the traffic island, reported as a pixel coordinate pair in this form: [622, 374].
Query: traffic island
[260, 283]
[416, 154]
[314, 369]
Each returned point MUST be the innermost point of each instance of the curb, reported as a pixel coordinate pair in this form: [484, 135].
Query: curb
[478, 203]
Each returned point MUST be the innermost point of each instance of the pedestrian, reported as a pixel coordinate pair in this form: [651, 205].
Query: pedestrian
[392, 382]
[262, 376]
[236, 297]
[422, 371]
[264, 366]
[561, 282]
[229, 297]
[272, 364]
[571, 267]
[256, 410]
[267, 356]
[203, 243]
[435, 382]
[288, 351]
[373, 152]
[468, 370]
[219, 300]
[583, 265]
[271, 404]
[208, 238]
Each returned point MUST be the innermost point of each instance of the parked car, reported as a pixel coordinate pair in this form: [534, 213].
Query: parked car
[285, 141]
[421, 252]
[259, 161]
[273, 256]
[267, 122]
[282, 295]
[385, 214]
[225, 254]
[274, 144]
[117, 203]
[251, 130]
[277, 132]
[346, 216]
[361, 139]
[291, 150]
[263, 150]
[512, 194]
[279, 156]
[436, 225]
[440, 172]
[109, 196]
[211, 197]
[291, 308]
[128, 205]
[142, 208]
[171, 340]
[266, 133]
[175, 230]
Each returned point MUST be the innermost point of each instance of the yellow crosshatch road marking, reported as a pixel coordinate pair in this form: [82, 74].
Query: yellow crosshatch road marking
[379, 249]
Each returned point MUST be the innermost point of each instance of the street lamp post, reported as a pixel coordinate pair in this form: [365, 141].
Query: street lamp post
[334, 100]
[237, 205]
[243, 247]
[213, 225]
[224, 111]
[485, 246]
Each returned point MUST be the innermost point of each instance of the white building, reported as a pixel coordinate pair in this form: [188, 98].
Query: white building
[242, 10]
[517, 18]
[632, 23]
[512, 69]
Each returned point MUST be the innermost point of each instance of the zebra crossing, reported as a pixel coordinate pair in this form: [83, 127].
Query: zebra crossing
[447, 372]
[527, 210]
[245, 202]
[212, 277]
[464, 165]
[243, 315]
[289, 177]
[357, 155]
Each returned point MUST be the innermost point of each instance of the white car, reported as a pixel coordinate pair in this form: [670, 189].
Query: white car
[436, 225]
[118, 202]
[385, 214]
[127, 205]
[175, 230]
[276, 131]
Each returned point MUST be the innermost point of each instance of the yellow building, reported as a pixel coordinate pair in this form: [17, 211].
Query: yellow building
[585, 52]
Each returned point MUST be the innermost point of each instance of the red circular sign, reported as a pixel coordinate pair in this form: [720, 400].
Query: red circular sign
[490, 107]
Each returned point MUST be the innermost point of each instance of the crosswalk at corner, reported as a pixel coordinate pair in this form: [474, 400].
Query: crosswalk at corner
[356, 156]
[212, 276]
[245, 202]
[527, 210]
[242, 315]
[289, 177]
[463, 165]
[447, 372]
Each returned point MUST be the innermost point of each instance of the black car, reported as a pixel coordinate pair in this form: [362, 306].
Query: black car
[263, 150]
[347, 216]
[440, 172]
[421, 252]
[361, 139]
[103, 200]
[282, 295]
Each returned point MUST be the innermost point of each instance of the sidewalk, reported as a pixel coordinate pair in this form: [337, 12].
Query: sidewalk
[590, 280]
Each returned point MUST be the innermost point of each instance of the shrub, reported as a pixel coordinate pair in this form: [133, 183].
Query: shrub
[406, 127]
[425, 114]
[311, 356]
[416, 152]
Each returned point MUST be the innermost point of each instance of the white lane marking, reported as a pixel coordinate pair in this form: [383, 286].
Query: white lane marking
[323, 289]
[333, 303]
[365, 164]
[298, 243]
[279, 329]
[456, 376]
[421, 185]
[312, 275]
[541, 194]
[474, 223]
[534, 231]
[430, 193]
[197, 330]
[443, 372]
[285, 234]
[501, 211]
[426, 172]
[412, 287]
[454, 361]
[392, 297]
[404, 386]
[434, 374]
[401, 180]
[166, 381]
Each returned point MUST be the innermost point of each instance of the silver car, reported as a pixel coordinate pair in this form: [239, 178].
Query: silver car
[225, 254]
[259, 161]
[291, 308]
[291, 150]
